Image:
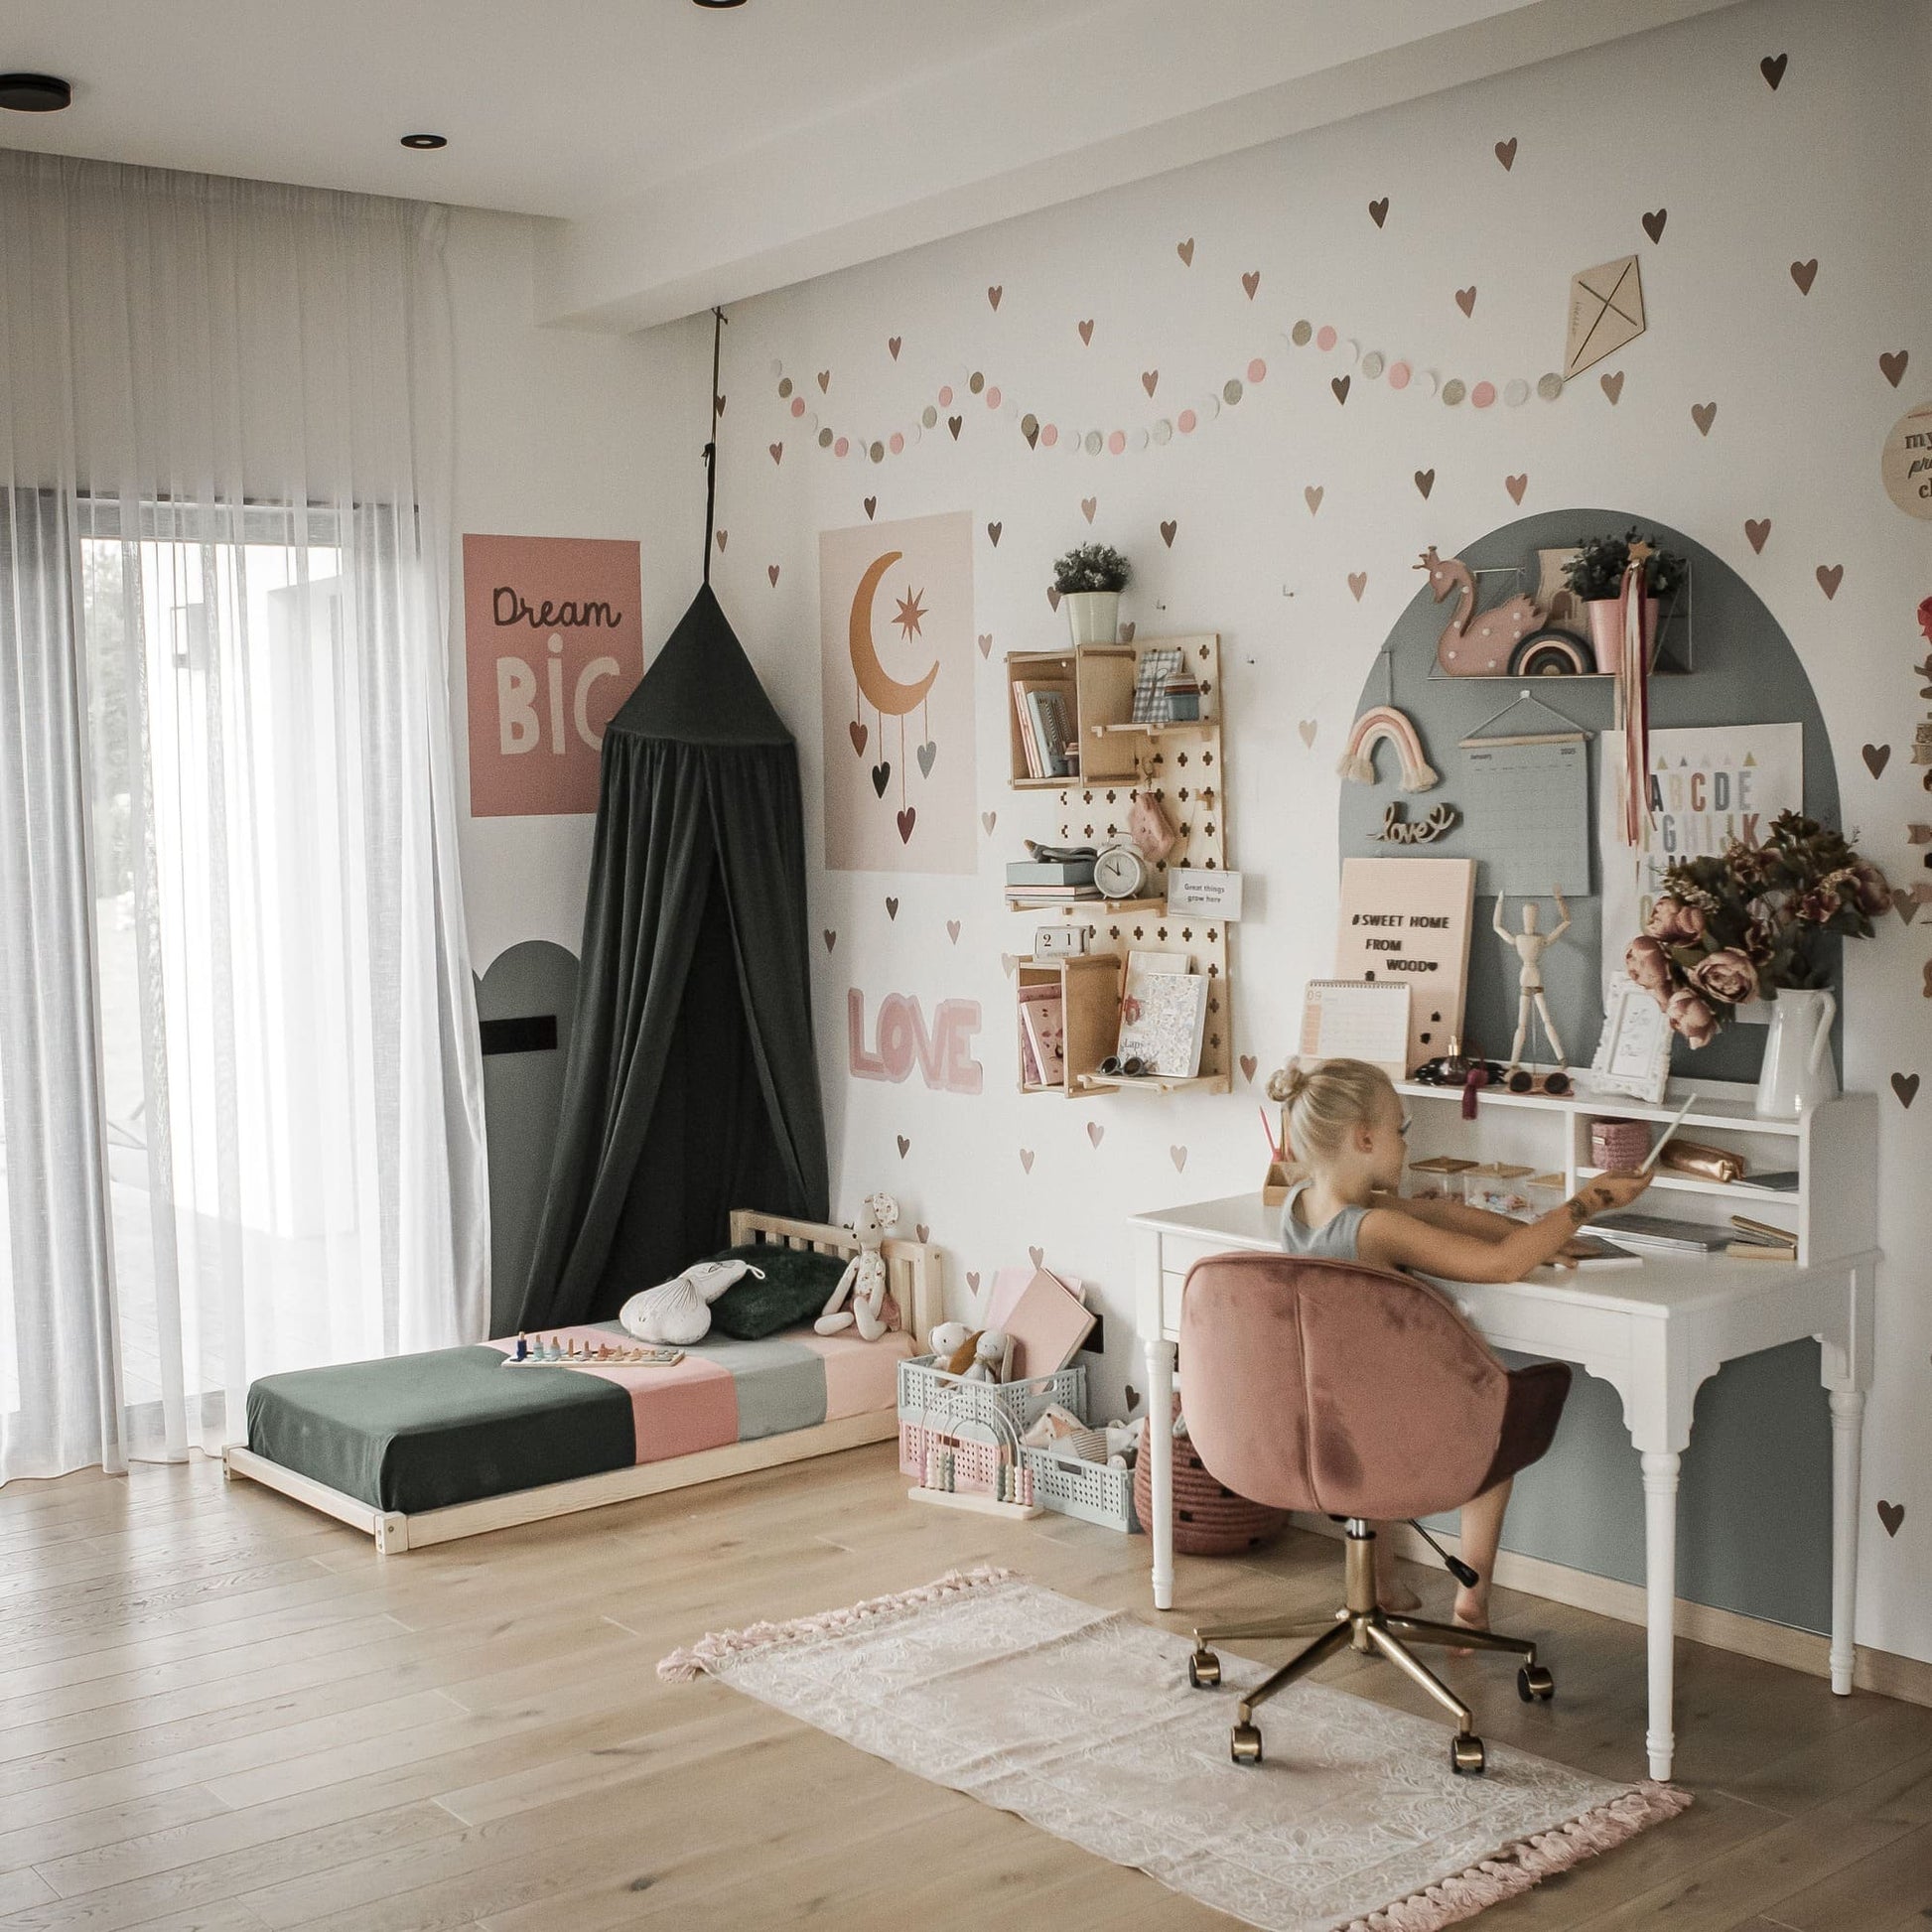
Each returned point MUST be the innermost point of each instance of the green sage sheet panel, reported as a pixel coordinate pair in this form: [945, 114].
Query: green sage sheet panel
[452, 1426]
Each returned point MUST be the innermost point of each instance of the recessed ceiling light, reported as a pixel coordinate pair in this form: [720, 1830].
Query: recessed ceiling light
[34, 94]
[426, 141]
[719, 5]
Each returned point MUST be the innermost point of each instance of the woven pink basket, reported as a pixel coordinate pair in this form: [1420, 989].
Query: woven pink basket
[1209, 1520]
[1618, 1143]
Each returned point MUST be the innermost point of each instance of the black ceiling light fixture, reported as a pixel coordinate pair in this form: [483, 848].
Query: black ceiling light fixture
[34, 94]
[425, 142]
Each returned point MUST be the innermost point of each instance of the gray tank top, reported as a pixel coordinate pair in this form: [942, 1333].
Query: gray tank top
[1336, 1240]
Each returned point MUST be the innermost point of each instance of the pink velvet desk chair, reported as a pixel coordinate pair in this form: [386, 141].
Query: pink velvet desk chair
[1363, 1395]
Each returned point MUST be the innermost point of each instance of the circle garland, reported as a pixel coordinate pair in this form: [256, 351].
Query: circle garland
[948, 406]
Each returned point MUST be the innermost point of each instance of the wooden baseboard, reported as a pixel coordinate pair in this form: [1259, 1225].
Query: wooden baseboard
[1905, 1678]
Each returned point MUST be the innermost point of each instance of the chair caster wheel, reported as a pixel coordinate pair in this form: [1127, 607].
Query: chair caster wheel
[1467, 1757]
[1244, 1744]
[1204, 1670]
[1535, 1685]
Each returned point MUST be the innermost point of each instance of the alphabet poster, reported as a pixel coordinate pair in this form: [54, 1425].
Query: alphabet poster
[895, 628]
[554, 642]
[1709, 786]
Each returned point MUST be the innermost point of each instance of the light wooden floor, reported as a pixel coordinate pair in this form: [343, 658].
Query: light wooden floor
[219, 1711]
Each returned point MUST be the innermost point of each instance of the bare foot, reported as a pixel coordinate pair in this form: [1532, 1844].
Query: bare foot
[1471, 1613]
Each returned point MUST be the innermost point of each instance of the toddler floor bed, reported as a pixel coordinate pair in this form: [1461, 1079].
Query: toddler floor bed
[423, 1449]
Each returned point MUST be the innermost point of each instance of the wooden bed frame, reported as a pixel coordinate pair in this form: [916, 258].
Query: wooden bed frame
[916, 1272]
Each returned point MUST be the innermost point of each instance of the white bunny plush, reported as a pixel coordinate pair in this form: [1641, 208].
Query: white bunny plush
[678, 1312]
[863, 1279]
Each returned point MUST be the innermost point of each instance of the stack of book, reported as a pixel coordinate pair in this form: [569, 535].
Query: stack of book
[1046, 714]
[1053, 879]
[1655, 1234]
[1760, 1241]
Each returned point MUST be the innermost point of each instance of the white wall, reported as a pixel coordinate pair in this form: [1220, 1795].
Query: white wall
[560, 432]
[1752, 179]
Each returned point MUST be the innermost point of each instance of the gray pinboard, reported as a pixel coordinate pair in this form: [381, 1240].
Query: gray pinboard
[526, 985]
[1754, 1508]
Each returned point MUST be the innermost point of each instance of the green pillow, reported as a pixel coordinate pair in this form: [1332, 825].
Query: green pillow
[797, 1284]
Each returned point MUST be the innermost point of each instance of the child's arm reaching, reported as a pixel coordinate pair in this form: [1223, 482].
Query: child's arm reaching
[1392, 1239]
[1456, 1216]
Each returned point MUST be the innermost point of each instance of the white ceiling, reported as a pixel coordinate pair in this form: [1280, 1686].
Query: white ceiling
[691, 155]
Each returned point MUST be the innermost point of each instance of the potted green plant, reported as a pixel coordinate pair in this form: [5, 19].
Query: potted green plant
[1594, 574]
[1091, 579]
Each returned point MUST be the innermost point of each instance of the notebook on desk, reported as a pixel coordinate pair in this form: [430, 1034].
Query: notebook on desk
[1658, 1234]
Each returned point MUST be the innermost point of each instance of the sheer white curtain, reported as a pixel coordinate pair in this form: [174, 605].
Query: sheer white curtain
[240, 1098]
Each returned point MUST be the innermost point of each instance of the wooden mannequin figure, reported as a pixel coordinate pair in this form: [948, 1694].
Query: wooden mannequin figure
[1530, 946]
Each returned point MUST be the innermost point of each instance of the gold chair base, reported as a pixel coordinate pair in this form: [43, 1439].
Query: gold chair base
[1361, 1625]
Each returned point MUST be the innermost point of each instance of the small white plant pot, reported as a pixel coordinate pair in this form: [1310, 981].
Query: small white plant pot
[1092, 617]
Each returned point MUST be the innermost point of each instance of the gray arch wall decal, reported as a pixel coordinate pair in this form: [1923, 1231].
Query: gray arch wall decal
[1754, 1507]
[524, 1084]
[1746, 672]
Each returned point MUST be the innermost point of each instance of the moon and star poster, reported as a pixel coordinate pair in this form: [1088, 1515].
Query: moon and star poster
[896, 626]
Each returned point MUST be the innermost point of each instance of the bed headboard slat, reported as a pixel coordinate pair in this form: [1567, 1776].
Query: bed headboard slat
[915, 1269]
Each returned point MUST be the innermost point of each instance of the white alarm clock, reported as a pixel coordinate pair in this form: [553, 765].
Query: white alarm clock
[1120, 872]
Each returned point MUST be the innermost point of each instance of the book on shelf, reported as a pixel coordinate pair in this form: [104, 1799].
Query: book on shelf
[1052, 728]
[1053, 892]
[1043, 1032]
[1028, 744]
[1163, 1014]
[1034, 873]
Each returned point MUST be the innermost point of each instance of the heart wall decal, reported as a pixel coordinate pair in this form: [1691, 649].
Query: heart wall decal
[891, 908]
[1466, 298]
[985, 644]
[872, 503]
[1088, 505]
[1905, 1085]
[771, 571]
[992, 294]
[1506, 153]
[1027, 1166]
[1876, 757]
[952, 930]
[1516, 486]
[1179, 1155]
[1653, 223]
[1251, 281]
[1095, 1133]
[1036, 1256]
[905, 1146]
[993, 532]
[1757, 530]
[1424, 482]
[892, 344]
[1308, 730]
[1772, 68]
[1312, 495]
[1704, 414]
[1340, 384]
[1149, 381]
[1803, 274]
[1378, 211]
[1358, 582]
[830, 937]
[1185, 250]
[1248, 1065]
[1612, 384]
[777, 451]
[1830, 576]
[1167, 530]
[1892, 366]
[1892, 1515]
[1086, 331]
[989, 820]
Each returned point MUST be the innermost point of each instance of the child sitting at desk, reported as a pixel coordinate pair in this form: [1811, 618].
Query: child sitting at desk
[1345, 1134]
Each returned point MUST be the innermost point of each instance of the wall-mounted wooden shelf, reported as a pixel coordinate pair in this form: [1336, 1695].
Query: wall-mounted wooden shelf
[1179, 764]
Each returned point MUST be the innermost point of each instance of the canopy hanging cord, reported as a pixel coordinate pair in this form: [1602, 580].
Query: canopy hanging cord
[711, 448]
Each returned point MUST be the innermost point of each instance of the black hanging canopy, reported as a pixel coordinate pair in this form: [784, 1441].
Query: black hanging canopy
[692, 1082]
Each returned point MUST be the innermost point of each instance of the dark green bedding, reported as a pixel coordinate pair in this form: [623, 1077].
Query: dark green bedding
[452, 1426]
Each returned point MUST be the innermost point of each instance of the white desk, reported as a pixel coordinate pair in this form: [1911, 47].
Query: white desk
[1655, 1334]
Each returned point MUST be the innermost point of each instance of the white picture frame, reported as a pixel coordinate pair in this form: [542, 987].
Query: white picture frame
[1633, 1054]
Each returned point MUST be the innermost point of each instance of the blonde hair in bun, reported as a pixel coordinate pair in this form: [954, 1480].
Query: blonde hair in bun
[1323, 1103]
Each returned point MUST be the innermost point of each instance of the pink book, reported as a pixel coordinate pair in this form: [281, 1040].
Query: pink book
[1042, 1019]
[1047, 1325]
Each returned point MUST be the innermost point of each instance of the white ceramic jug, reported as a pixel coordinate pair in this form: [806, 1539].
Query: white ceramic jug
[1798, 1071]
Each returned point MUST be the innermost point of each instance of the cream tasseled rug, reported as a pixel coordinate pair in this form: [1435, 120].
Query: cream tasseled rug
[1082, 1722]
